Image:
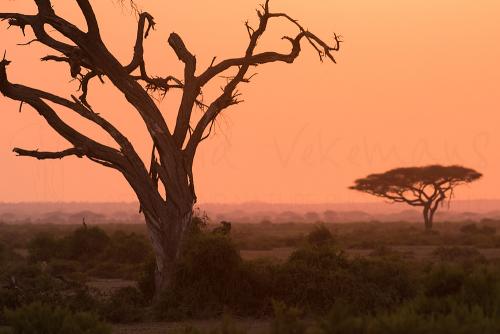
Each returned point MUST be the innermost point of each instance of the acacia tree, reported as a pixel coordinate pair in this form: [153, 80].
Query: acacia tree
[427, 187]
[168, 213]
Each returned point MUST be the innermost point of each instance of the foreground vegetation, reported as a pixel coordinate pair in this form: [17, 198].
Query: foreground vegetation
[48, 273]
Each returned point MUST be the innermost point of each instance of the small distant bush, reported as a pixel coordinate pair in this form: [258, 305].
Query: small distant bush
[287, 320]
[39, 318]
[458, 254]
[146, 281]
[315, 278]
[387, 252]
[320, 235]
[474, 229]
[481, 288]
[124, 306]
[128, 248]
[86, 243]
[3, 253]
[44, 247]
[444, 281]
[224, 228]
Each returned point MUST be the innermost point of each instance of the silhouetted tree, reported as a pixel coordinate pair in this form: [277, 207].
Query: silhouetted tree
[418, 186]
[168, 214]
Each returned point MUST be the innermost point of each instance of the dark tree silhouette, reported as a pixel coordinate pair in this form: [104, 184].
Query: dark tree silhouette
[427, 187]
[168, 214]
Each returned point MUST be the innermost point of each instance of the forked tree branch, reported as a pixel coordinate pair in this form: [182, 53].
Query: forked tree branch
[84, 144]
[229, 95]
[90, 18]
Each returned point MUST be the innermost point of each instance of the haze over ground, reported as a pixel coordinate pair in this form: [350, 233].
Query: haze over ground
[416, 83]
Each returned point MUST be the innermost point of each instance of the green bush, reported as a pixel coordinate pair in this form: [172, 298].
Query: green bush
[3, 253]
[474, 229]
[63, 268]
[44, 247]
[124, 306]
[39, 318]
[26, 283]
[211, 277]
[83, 244]
[316, 278]
[86, 243]
[477, 287]
[444, 281]
[128, 248]
[458, 254]
[459, 320]
[481, 288]
[146, 281]
[287, 320]
[320, 235]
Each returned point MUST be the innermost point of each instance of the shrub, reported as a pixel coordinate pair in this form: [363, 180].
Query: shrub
[320, 235]
[209, 263]
[26, 283]
[287, 320]
[210, 277]
[125, 305]
[444, 281]
[44, 247]
[390, 253]
[459, 320]
[458, 254]
[381, 284]
[3, 253]
[481, 288]
[58, 267]
[316, 278]
[312, 278]
[474, 229]
[224, 228]
[86, 243]
[128, 248]
[146, 281]
[39, 318]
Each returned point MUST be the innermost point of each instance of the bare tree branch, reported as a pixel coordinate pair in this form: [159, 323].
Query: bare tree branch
[229, 96]
[88, 13]
[35, 98]
[75, 151]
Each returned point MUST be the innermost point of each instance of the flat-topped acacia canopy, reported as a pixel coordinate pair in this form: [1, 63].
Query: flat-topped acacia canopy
[425, 186]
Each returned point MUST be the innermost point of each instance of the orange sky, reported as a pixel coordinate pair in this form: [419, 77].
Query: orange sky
[417, 82]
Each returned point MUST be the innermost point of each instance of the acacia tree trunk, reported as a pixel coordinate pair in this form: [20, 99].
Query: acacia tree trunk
[428, 218]
[167, 247]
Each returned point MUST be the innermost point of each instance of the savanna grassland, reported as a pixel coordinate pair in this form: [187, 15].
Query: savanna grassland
[254, 278]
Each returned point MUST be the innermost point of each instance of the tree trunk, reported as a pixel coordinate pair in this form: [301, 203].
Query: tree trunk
[428, 217]
[167, 244]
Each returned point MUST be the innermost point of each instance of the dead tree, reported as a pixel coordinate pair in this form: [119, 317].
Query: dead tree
[168, 215]
[427, 187]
